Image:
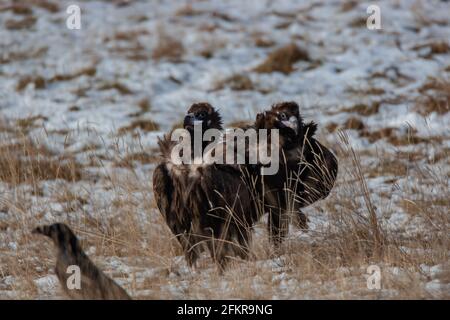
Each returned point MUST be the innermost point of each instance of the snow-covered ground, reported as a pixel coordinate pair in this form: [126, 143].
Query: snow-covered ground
[103, 94]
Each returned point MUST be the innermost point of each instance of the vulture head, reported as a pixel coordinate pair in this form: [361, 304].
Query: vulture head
[204, 113]
[285, 117]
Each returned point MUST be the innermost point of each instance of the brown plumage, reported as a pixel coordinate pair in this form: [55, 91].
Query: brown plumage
[307, 172]
[205, 205]
[95, 285]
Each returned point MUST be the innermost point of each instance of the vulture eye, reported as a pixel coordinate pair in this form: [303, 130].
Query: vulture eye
[201, 115]
[283, 116]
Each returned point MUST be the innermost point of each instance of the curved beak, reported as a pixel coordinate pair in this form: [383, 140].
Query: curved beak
[291, 123]
[190, 121]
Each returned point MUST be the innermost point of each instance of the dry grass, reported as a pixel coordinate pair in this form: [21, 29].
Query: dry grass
[23, 55]
[120, 87]
[399, 138]
[129, 230]
[25, 23]
[26, 162]
[236, 82]
[50, 6]
[144, 107]
[263, 42]
[29, 123]
[189, 11]
[40, 82]
[168, 47]
[435, 47]
[424, 18]
[17, 8]
[436, 97]
[130, 160]
[353, 123]
[282, 59]
[144, 125]
[363, 109]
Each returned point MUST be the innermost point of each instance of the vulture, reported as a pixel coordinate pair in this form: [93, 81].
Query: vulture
[306, 174]
[94, 284]
[206, 206]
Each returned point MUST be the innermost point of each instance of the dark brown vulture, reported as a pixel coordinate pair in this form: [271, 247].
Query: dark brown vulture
[204, 205]
[94, 284]
[307, 171]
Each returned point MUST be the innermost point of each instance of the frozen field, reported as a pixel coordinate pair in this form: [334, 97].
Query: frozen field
[80, 111]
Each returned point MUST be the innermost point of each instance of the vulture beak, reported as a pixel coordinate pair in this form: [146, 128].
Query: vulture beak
[190, 121]
[291, 123]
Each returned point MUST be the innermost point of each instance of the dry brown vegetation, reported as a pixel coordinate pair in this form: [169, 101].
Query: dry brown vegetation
[25, 23]
[23, 160]
[189, 11]
[22, 55]
[50, 6]
[363, 109]
[168, 47]
[437, 47]
[236, 82]
[353, 123]
[105, 193]
[144, 125]
[333, 263]
[144, 107]
[262, 42]
[282, 59]
[40, 82]
[435, 97]
[120, 87]
[17, 8]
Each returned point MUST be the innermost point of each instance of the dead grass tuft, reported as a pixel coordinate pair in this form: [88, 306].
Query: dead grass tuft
[130, 35]
[359, 22]
[17, 8]
[168, 47]
[74, 109]
[25, 23]
[398, 137]
[373, 91]
[38, 82]
[89, 71]
[240, 124]
[353, 123]
[363, 109]
[22, 55]
[348, 5]
[189, 11]
[388, 167]
[263, 42]
[236, 82]
[144, 125]
[26, 124]
[25, 162]
[50, 6]
[120, 87]
[144, 107]
[435, 47]
[436, 97]
[282, 59]
[130, 160]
